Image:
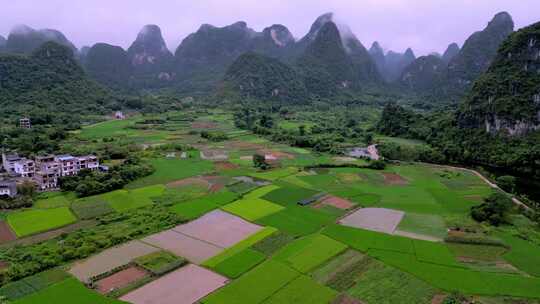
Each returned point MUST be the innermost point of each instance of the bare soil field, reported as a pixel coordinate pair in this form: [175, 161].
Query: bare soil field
[110, 259]
[224, 165]
[338, 202]
[276, 155]
[219, 228]
[120, 279]
[218, 155]
[186, 285]
[438, 299]
[375, 219]
[194, 250]
[204, 125]
[6, 233]
[394, 179]
[243, 145]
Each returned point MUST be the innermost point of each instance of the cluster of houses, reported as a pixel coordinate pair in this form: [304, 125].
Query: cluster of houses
[43, 170]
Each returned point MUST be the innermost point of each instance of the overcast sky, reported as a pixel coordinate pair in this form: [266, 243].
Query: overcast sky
[424, 25]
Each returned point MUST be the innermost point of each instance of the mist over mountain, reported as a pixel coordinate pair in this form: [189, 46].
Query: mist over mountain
[378, 56]
[423, 73]
[3, 42]
[24, 39]
[451, 51]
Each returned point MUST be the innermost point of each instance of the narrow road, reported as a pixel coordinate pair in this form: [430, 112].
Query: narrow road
[487, 181]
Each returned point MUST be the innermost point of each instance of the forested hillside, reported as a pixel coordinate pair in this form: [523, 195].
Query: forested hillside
[49, 80]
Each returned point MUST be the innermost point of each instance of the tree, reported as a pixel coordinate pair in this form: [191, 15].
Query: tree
[507, 183]
[493, 210]
[302, 130]
[259, 161]
[27, 189]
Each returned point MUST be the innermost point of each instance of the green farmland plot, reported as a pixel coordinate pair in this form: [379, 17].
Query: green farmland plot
[252, 209]
[275, 174]
[69, 291]
[523, 254]
[255, 286]
[91, 207]
[239, 263]
[168, 170]
[303, 290]
[54, 200]
[289, 195]
[123, 200]
[383, 284]
[297, 220]
[239, 247]
[309, 252]
[459, 279]
[29, 222]
[194, 208]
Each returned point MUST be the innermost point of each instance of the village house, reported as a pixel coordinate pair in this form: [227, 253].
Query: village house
[8, 188]
[119, 115]
[8, 162]
[24, 123]
[45, 170]
[25, 167]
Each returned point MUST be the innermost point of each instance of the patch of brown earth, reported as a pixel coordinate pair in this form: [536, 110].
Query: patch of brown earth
[438, 299]
[3, 265]
[222, 165]
[346, 299]
[6, 233]
[243, 145]
[272, 154]
[338, 202]
[394, 179]
[190, 181]
[476, 198]
[120, 279]
[204, 125]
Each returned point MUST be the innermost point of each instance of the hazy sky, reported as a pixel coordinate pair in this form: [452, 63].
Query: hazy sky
[424, 25]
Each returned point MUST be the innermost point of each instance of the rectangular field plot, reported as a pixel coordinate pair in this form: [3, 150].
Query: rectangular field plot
[120, 279]
[186, 285]
[219, 228]
[38, 220]
[67, 292]
[29, 285]
[307, 253]
[289, 195]
[303, 290]
[6, 233]
[168, 170]
[195, 251]
[197, 207]
[123, 200]
[240, 263]
[110, 259]
[252, 208]
[298, 221]
[91, 207]
[382, 284]
[376, 219]
[255, 286]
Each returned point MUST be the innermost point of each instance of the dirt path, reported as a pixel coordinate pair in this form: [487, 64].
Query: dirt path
[487, 181]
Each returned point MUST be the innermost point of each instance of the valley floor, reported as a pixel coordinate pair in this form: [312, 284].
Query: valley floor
[207, 227]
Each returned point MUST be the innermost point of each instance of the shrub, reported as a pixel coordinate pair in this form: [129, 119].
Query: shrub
[493, 210]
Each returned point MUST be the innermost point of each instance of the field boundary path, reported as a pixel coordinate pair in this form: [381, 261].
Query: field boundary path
[487, 181]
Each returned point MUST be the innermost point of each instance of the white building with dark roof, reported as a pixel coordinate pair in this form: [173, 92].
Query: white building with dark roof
[8, 188]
